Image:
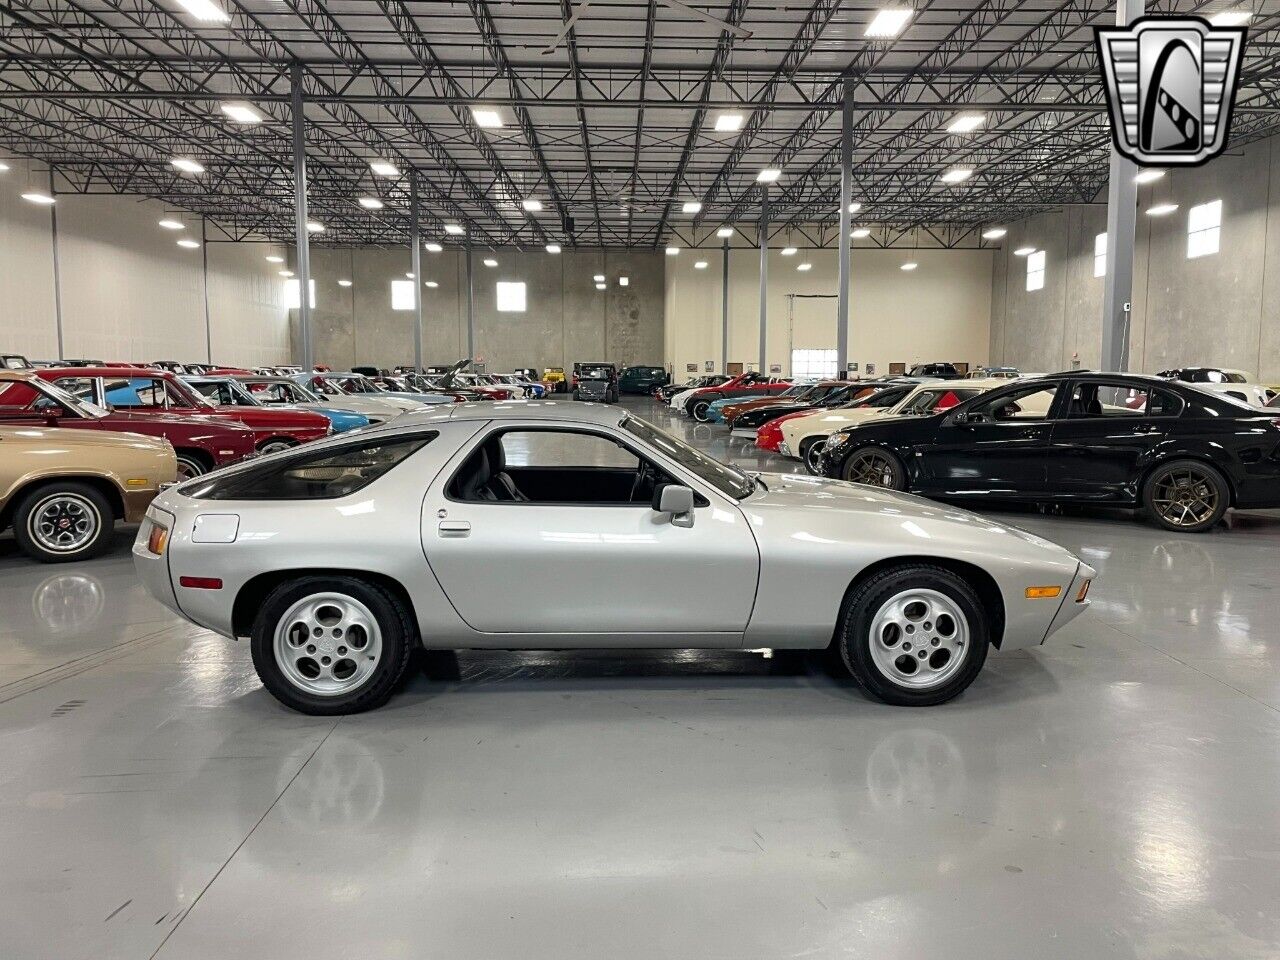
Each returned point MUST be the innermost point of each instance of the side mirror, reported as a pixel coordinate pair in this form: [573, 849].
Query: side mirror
[961, 419]
[676, 500]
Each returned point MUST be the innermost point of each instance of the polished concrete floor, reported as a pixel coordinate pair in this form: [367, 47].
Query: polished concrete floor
[1112, 794]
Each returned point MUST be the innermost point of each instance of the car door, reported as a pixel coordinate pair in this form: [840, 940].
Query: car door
[578, 559]
[1106, 434]
[997, 445]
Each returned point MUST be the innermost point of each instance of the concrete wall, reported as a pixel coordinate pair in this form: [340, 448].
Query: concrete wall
[566, 318]
[939, 311]
[1214, 310]
[127, 291]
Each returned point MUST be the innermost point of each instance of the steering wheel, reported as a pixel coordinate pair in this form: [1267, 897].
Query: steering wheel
[644, 475]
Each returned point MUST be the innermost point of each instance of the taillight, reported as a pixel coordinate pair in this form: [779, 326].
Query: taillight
[158, 539]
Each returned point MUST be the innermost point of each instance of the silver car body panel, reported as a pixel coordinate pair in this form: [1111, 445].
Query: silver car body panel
[768, 571]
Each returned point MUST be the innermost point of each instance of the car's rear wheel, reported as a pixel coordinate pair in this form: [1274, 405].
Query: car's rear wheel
[874, 467]
[1186, 495]
[63, 521]
[190, 465]
[914, 635]
[332, 645]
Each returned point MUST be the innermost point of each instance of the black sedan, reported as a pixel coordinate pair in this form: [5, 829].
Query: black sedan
[753, 418]
[1183, 454]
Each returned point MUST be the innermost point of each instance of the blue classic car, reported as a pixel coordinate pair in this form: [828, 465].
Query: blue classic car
[715, 412]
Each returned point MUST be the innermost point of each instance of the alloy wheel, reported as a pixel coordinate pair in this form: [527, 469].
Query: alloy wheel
[188, 468]
[873, 468]
[64, 523]
[274, 446]
[327, 644]
[1185, 497]
[919, 638]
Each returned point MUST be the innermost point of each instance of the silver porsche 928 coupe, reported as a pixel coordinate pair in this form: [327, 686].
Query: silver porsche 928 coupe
[550, 525]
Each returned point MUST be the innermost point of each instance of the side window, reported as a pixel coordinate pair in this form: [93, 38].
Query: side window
[564, 448]
[136, 393]
[322, 475]
[1164, 404]
[80, 387]
[1028, 403]
[16, 395]
[1121, 400]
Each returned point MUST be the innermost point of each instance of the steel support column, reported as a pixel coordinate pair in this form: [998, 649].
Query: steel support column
[415, 265]
[846, 224]
[1122, 211]
[764, 278]
[724, 309]
[471, 308]
[57, 267]
[204, 283]
[301, 236]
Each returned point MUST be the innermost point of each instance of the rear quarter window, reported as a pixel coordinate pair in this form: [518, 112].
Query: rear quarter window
[318, 475]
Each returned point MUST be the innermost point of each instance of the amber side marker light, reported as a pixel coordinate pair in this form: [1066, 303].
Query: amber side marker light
[158, 539]
[136, 482]
[201, 583]
[1083, 592]
[1043, 593]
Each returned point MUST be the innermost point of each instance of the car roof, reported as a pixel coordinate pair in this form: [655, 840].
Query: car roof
[110, 371]
[574, 411]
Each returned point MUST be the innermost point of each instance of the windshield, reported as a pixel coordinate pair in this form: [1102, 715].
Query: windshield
[881, 398]
[329, 388]
[728, 480]
[926, 402]
[278, 391]
[224, 393]
[359, 385]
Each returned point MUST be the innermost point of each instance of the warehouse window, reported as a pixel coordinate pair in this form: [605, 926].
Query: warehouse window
[813, 364]
[402, 294]
[510, 296]
[1204, 224]
[1100, 255]
[291, 301]
[1035, 271]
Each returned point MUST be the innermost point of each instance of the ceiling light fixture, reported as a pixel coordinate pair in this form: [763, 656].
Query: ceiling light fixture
[995, 233]
[187, 165]
[285, 273]
[275, 259]
[531, 205]
[725, 232]
[909, 265]
[957, 175]
[804, 267]
[241, 113]
[4, 168]
[601, 286]
[691, 206]
[315, 226]
[490, 262]
[408, 276]
[966, 123]
[855, 206]
[888, 23]
[1231, 18]
[788, 251]
[205, 10]
[860, 233]
[370, 203]
[384, 169]
[486, 118]
[1161, 209]
[672, 251]
[728, 122]
[188, 243]
[35, 196]
[431, 284]
[768, 175]
[1148, 176]
[170, 224]
[344, 283]
[598, 278]
[700, 265]
[453, 230]
[1024, 251]
[624, 281]
[553, 248]
[433, 247]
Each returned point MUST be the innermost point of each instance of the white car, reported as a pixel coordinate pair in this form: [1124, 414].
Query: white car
[1252, 394]
[330, 389]
[803, 437]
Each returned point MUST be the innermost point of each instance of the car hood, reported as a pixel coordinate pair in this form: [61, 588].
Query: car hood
[812, 501]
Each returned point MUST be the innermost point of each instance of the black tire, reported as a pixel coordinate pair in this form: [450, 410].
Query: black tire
[399, 637]
[1190, 491]
[857, 634]
[809, 450]
[875, 467]
[699, 410]
[191, 465]
[276, 445]
[575, 394]
[78, 503]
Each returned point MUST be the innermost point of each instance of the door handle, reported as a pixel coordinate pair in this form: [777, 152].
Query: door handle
[454, 528]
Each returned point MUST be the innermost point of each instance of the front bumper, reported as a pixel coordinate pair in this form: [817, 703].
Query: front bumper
[1073, 604]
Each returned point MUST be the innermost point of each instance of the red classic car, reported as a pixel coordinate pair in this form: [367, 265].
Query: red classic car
[152, 392]
[201, 443]
[749, 384]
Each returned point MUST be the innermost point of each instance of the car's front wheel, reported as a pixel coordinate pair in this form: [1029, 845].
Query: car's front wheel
[810, 452]
[275, 445]
[914, 635]
[874, 467]
[1186, 495]
[63, 521]
[332, 645]
[700, 409]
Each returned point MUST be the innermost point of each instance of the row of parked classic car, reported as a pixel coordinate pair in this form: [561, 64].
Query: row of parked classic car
[86, 443]
[1185, 445]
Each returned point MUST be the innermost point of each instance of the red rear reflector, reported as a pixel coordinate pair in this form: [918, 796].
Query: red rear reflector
[201, 583]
